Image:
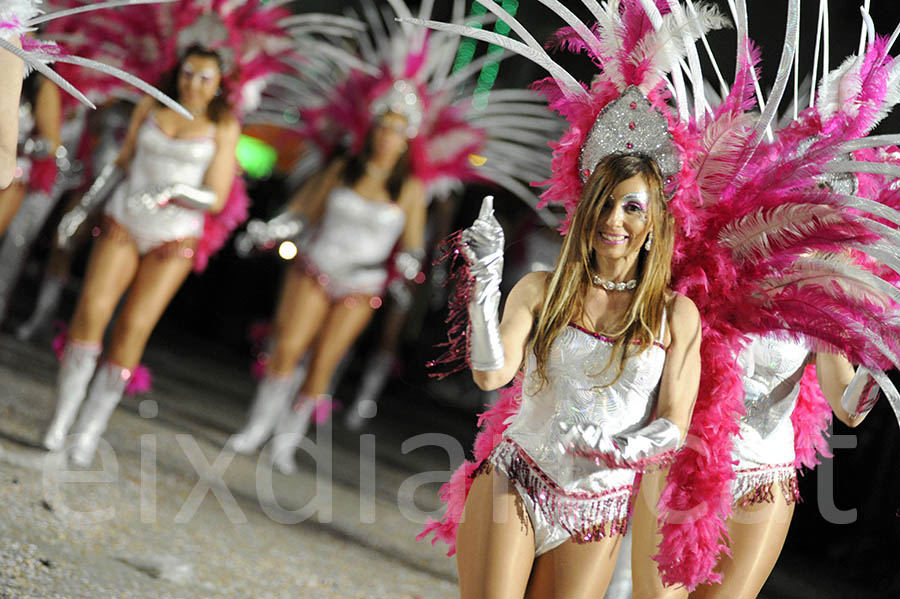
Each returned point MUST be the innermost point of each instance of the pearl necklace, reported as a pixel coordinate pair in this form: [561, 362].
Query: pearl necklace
[612, 286]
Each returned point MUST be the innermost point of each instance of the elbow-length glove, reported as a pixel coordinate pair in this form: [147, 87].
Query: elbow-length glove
[196, 198]
[649, 446]
[264, 235]
[482, 245]
[861, 394]
[110, 176]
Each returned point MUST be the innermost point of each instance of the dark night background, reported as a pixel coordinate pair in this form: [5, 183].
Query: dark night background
[212, 314]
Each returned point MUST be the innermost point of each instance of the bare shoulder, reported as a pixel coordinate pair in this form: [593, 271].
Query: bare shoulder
[228, 128]
[530, 289]
[413, 192]
[145, 105]
[335, 167]
[683, 315]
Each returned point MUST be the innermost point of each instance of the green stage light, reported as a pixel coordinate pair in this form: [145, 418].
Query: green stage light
[256, 157]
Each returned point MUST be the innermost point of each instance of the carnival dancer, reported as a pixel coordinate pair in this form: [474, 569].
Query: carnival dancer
[39, 122]
[106, 129]
[410, 135]
[20, 52]
[174, 197]
[606, 344]
[760, 246]
[793, 384]
[53, 169]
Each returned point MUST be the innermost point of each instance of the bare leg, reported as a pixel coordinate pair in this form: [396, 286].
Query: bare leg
[10, 200]
[341, 327]
[111, 268]
[345, 322]
[301, 311]
[288, 299]
[645, 542]
[495, 542]
[757, 536]
[302, 308]
[156, 283]
[573, 571]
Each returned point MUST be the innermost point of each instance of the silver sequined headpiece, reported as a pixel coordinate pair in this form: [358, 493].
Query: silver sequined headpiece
[208, 32]
[841, 182]
[402, 98]
[630, 124]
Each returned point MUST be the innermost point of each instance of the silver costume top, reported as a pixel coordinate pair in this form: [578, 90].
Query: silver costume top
[351, 246]
[162, 160]
[577, 393]
[772, 368]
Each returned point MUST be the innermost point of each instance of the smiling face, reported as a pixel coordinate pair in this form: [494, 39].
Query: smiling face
[198, 82]
[389, 138]
[623, 225]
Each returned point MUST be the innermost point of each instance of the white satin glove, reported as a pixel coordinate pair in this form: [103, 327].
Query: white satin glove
[482, 246]
[156, 196]
[110, 176]
[645, 447]
[861, 394]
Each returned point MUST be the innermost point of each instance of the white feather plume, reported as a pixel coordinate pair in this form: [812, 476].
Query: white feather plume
[665, 47]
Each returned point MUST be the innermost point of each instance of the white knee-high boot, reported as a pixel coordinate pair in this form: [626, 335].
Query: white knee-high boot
[291, 430]
[273, 397]
[373, 380]
[75, 371]
[17, 242]
[105, 394]
[44, 309]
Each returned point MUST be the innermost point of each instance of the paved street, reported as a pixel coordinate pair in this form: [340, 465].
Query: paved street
[169, 514]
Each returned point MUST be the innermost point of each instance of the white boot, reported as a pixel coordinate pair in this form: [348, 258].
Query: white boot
[374, 378]
[106, 392]
[272, 400]
[290, 432]
[17, 242]
[44, 309]
[75, 372]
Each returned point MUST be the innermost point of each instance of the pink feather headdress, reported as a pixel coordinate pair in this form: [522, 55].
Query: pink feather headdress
[20, 18]
[255, 41]
[761, 245]
[404, 68]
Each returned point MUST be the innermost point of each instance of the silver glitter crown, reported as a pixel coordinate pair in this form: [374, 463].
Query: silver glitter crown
[630, 124]
[402, 98]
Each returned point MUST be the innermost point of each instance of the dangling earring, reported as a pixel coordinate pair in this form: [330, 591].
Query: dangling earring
[649, 242]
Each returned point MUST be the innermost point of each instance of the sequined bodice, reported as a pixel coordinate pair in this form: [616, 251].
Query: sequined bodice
[355, 234]
[161, 160]
[772, 370]
[578, 391]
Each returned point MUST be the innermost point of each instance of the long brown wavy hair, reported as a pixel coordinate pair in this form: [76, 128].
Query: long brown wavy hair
[571, 277]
